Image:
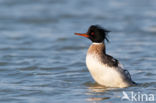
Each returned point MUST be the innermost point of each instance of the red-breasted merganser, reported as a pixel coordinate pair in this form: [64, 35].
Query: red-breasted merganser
[105, 69]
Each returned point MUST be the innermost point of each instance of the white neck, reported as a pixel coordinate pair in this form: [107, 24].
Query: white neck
[98, 43]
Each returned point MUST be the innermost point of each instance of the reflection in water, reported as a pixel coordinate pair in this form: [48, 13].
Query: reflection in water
[97, 92]
[97, 98]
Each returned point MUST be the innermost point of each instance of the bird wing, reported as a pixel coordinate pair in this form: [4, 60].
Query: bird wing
[110, 61]
[116, 64]
[124, 71]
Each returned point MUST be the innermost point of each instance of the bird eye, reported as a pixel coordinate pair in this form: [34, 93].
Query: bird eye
[92, 33]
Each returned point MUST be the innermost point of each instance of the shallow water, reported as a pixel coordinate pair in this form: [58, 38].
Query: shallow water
[41, 60]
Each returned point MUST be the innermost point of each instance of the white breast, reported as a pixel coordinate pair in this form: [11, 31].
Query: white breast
[103, 74]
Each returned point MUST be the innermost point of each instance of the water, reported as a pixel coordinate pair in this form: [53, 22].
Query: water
[42, 61]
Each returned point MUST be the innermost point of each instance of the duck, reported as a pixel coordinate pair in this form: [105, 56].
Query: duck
[104, 69]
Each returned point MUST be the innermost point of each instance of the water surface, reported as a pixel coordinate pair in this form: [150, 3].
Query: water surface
[42, 61]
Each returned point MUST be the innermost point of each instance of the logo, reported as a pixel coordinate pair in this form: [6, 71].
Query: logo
[137, 96]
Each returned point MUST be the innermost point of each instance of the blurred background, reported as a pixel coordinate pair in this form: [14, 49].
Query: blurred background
[41, 60]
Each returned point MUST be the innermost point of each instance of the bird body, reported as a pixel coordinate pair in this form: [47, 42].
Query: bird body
[105, 73]
[104, 69]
